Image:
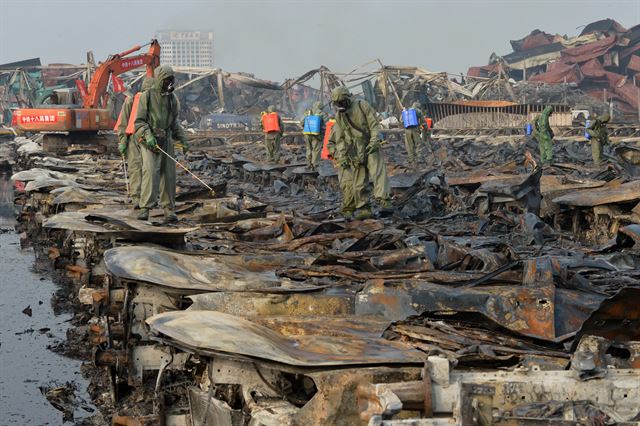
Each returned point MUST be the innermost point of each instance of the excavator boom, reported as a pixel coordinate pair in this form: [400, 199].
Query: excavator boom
[116, 65]
[90, 117]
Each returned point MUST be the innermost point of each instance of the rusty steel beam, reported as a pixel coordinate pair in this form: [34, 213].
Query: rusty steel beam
[110, 357]
[136, 420]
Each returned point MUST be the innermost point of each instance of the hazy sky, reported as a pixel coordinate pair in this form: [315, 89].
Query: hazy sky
[281, 39]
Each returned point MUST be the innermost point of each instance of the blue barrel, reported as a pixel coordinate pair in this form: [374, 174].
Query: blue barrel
[312, 125]
[586, 126]
[528, 129]
[409, 118]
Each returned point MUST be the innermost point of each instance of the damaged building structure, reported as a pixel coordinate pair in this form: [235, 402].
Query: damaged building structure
[495, 293]
[603, 61]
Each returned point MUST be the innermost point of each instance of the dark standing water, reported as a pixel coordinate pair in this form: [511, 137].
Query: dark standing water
[25, 361]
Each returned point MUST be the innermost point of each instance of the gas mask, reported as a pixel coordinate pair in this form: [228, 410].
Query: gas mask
[343, 104]
[167, 85]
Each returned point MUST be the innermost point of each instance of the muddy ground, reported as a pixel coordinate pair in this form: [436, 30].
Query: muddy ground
[32, 329]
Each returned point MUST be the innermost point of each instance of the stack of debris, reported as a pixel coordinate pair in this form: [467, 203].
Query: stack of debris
[603, 61]
[496, 293]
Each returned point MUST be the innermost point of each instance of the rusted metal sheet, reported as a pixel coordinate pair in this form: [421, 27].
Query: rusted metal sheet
[80, 196]
[492, 114]
[616, 318]
[535, 311]
[609, 194]
[515, 187]
[337, 402]
[197, 273]
[338, 326]
[476, 178]
[331, 303]
[209, 332]
[489, 103]
[117, 224]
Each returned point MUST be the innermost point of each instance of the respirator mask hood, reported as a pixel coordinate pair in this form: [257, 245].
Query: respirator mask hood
[341, 98]
[168, 84]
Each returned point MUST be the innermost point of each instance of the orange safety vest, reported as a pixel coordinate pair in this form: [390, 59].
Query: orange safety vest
[325, 144]
[429, 123]
[270, 122]
[131, 128]
[115, 128]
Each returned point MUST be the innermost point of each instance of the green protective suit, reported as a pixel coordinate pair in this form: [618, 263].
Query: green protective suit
[313, 143]
[543, 134]
[354, 143]
[133, 154]
[412, 140]
[599, 137]
[157, 120]
[272, 140]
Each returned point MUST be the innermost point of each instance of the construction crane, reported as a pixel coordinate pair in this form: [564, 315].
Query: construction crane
[64, 124]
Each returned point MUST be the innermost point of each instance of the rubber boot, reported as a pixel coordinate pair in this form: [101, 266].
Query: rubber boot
[347, 214]
[144, 214]
[364, 213]
[170, 216]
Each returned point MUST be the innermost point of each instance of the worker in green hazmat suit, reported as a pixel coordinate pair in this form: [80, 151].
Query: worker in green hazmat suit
[412, 140]
[356, 146]
[313, 142]
[599, 137]
[543, 134]
[272, 139]
[156, 127]
[129, 147]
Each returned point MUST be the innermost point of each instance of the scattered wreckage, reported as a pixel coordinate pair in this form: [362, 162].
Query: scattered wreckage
[496, 293]
[601, 62]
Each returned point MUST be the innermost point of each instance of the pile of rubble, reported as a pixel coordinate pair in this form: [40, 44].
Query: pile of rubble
[497, 292]
[603, 61]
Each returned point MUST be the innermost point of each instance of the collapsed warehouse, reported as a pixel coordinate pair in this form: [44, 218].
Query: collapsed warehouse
[603, 61]
[494, 294]
[215, 99]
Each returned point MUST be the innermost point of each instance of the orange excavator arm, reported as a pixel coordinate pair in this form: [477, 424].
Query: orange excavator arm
[116, 65]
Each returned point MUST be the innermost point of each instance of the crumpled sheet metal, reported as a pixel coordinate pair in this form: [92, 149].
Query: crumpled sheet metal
[542, 312]
[335, 326]
[267, 167]
[38, 173]
[295, 304]
[554, 186]
[69, 195]
[214, 333]
[515, 187]
[632, 231]
[616, 319]
[608, 194]
[117, 224]
[45, 184]
[196, 273]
